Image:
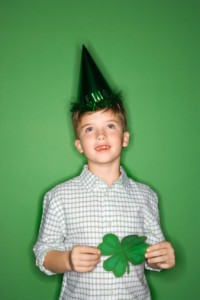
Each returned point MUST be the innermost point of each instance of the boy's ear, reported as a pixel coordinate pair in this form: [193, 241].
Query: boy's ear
[78, 146]
[126, 139]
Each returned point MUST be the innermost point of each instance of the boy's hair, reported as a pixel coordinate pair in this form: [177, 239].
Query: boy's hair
[116, 108]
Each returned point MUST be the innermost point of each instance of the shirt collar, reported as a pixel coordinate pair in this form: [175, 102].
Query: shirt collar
[90, 180]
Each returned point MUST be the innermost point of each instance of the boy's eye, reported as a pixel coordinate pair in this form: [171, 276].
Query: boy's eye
[89, 129]
[111, 126]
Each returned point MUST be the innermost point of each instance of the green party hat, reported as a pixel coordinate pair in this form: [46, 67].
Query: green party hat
[94, 91]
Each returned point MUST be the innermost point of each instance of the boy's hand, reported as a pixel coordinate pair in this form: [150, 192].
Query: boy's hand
[160, 255]
[84, 258]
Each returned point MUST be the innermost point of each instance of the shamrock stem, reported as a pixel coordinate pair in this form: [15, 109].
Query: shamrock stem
[128, 268]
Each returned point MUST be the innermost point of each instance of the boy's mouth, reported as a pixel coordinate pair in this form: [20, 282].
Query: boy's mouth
[102, 147]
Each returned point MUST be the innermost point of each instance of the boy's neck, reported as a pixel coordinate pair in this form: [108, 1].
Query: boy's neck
[108, 172]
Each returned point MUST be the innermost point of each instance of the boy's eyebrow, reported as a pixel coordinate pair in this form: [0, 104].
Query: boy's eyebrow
[85, 125]
[91, 124]
[116, 121]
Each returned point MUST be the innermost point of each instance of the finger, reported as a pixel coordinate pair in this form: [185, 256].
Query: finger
[156, 253]
[86, 263]
[166, 265]
[157, 246]
[89, 257]
[84, 252]
[82, 259]
[158, 259]
[83, 265]
[89, 250]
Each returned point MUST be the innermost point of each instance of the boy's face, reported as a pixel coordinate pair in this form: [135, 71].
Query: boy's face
[101, 137]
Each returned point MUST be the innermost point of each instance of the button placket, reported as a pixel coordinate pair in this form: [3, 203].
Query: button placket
[107, 211]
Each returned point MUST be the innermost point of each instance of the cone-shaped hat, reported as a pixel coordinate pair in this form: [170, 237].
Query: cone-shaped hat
[94, 92]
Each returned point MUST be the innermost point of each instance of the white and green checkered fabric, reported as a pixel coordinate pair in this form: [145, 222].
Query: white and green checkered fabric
[80, 212]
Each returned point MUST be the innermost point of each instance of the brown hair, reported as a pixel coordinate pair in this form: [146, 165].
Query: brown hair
[117, 110]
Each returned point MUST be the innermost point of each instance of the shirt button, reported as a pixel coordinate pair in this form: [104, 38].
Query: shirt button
[109, 224]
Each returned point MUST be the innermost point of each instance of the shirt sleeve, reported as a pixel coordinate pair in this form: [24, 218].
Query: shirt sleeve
[52, 230]
[152, 222]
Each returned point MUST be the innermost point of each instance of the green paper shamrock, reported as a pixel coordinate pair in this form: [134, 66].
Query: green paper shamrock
[131, 249]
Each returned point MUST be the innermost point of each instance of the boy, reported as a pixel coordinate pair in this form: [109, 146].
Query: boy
[78, 213]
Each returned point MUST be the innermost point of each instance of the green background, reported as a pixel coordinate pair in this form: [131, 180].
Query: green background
[150, 50]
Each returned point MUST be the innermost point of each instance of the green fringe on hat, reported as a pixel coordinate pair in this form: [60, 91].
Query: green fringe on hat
[97, 101]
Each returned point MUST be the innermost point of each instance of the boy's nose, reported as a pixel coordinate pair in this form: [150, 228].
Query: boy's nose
[101, 135]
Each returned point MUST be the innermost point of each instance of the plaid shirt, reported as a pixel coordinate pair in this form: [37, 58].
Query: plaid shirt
[80, 212]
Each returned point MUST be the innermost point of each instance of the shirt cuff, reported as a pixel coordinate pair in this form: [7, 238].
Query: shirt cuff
[151, 269]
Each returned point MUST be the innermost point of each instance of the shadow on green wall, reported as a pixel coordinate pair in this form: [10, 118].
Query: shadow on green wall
[171, 276]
